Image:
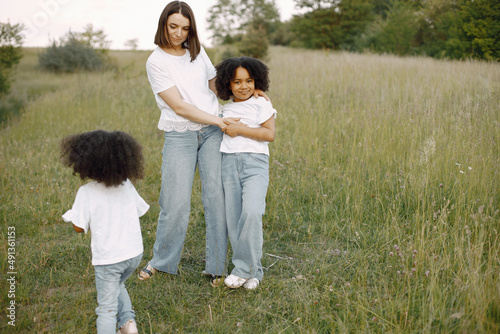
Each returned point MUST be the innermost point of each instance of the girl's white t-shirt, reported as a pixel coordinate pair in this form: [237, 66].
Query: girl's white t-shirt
[112, 215]
[253, 112]
[191, 79]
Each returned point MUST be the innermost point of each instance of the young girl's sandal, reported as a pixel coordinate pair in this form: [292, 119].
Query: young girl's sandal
[147, 272]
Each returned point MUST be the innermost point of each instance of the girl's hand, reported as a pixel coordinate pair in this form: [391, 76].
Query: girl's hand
[227, 121]
[259, 92]
[233, 130]
[78, 229]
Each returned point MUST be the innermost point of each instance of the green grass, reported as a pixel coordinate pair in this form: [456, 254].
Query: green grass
[371, 152]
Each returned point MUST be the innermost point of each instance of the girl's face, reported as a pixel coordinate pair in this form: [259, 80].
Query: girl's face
[242, 85]
[177, 29]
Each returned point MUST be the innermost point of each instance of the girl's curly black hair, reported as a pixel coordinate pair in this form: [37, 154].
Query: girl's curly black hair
[226, 69]
[107, 157]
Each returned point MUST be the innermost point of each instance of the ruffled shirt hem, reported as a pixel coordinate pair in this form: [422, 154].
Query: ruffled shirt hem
[167, 126]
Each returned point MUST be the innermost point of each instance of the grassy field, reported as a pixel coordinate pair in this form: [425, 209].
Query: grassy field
[382, 210]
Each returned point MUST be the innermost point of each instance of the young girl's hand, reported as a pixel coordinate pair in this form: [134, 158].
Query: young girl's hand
[228, 120]
[232, 130]
[259, 92]
[78, 229]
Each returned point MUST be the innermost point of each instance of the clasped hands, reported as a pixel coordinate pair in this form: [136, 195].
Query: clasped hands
[232, 125]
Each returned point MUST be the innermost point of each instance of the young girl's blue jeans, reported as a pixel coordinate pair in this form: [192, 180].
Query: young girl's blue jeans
[112, 296]
[245, 177]
[182, 153]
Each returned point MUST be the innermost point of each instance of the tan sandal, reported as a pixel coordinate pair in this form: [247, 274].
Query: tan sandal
[215, 280]
[147, 272]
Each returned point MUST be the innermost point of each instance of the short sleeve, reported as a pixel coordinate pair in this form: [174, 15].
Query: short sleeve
[140, 203]
[210, 69]
[158, 77]
[79, 214]
[266, 110]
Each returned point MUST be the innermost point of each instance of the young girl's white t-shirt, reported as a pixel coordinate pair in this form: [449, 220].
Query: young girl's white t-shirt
[191, 79]
[253, 112]
[112, 215]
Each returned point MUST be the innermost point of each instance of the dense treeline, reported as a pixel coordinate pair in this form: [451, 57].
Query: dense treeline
[439, 28]
[454, 29]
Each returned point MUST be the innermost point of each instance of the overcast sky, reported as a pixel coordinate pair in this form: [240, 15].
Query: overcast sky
[121, 20]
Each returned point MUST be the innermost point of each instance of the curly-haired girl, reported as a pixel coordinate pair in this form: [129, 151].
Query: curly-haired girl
[245, 163]
[110, 207]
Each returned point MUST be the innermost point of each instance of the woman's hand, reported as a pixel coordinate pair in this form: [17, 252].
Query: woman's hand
[231, 120]
[261, 93]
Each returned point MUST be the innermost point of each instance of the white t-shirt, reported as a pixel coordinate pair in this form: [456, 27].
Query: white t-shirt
[112, 214]
[253, 112]
[191, 79]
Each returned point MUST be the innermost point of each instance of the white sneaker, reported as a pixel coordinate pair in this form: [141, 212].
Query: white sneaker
[234, 282]
[128, 328]
[251, 284]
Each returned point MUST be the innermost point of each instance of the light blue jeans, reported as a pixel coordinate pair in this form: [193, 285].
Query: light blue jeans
[182, 152]
[245, 177]
[112, 296]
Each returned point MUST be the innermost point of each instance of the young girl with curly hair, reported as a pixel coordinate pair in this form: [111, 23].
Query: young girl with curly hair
[110, 207]
[245, 163]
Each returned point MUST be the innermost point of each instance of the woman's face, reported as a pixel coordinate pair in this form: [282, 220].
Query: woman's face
[177, 29]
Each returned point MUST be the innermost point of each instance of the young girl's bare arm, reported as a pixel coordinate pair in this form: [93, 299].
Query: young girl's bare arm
[265, 133]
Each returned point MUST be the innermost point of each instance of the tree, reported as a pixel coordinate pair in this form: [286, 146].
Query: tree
[454, 29]
[10, 52]
[228, 20]
[96, 39]
[132, 44]
[331, 24]
[254, 43]
[438, 24]
[481, 28]
[283, 34]
[460, 29]
[316, 4]
[396, 33]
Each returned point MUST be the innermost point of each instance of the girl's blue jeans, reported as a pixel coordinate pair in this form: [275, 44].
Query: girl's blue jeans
[182, 152]
[245, 177]
[112, 296]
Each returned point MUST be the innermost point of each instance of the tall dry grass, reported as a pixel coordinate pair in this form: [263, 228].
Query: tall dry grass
[382, 210]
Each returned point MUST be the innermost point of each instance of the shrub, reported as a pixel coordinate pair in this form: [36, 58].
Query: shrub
[70, 56]
[77, 52]
[254, 43]
[10, 52]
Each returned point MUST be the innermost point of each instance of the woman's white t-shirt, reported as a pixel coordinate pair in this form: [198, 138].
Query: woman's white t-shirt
[191, 79]
[112, 215]
[253, 112]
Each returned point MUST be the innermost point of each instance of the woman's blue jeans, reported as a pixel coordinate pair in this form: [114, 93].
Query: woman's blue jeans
[182, 152]
[112, 296]
[245, 177]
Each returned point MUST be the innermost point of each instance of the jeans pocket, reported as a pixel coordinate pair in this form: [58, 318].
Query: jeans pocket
[260, 157]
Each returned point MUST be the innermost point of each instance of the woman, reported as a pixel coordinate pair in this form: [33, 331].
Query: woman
[182, 78]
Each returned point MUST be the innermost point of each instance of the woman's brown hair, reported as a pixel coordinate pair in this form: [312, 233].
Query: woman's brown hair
[162, 39]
